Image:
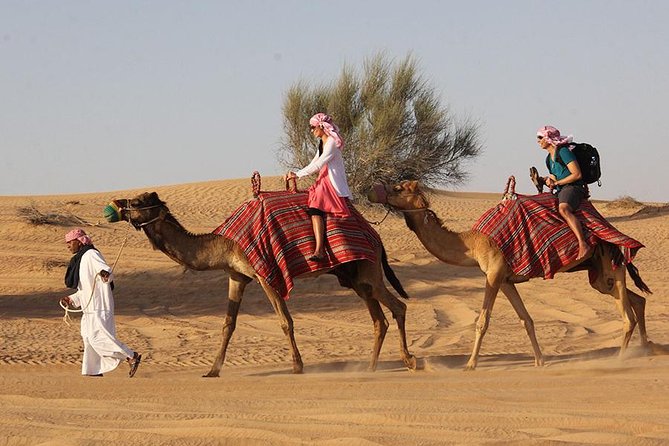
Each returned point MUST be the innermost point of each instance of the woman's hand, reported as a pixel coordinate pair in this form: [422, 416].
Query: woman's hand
[550, 182]
[65, 301]
[289, 176]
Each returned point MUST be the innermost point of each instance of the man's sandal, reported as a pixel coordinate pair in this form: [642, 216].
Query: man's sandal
[134, 364]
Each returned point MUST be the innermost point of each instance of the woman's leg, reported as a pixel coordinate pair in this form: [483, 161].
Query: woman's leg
[566, 212]
[319, 233]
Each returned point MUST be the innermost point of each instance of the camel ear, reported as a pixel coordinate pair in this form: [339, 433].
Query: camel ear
[412, 186]
[153, 198]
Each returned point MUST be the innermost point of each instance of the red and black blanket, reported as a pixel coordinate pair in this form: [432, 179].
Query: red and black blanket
[276, 235]
[536, 241]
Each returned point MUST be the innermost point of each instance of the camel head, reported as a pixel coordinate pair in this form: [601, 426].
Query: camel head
[139, 211]
[403, 196]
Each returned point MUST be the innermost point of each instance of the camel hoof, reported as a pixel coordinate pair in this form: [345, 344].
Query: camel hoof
[411, 363]
[298, 369]
[211, 374]
[469, 367]
[539, 362]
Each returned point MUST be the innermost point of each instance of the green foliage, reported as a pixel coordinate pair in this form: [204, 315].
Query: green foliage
[392, 123]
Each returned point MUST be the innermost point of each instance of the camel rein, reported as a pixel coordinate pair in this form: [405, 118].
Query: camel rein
[66, 317]
[132, 208]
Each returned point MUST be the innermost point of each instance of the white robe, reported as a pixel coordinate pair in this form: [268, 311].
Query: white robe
[102, 351]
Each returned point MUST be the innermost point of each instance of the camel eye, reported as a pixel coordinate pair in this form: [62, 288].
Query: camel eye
[397, 188]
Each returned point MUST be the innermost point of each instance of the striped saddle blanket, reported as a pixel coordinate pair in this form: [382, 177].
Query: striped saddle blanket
[536, 241]
[277, 236]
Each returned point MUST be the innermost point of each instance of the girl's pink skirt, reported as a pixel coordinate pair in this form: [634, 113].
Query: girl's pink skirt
[323, 196]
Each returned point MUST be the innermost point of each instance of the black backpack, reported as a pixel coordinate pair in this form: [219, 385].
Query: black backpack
[588, 160]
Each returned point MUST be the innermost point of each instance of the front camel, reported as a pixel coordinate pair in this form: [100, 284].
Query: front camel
[208, 251]
[475, 249]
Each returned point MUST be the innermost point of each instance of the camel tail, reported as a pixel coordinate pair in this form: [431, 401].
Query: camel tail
[390, 275]
[634, 274]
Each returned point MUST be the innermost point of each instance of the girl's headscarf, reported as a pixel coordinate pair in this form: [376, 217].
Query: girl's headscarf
[553, 135]
[78, 234]
[325, 122]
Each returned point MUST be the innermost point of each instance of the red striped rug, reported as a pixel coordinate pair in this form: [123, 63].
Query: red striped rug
[276, 235]
[537, 242]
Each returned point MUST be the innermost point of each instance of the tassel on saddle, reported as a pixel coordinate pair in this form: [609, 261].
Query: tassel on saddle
[510, 191]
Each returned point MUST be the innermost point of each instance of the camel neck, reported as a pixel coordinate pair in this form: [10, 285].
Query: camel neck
[188, 249]
[448, 246]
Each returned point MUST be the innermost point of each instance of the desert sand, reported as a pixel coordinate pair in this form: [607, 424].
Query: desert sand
[585, 394]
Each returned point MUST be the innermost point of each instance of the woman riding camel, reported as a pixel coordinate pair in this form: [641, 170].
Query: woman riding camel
[328, 195]
[565, 177]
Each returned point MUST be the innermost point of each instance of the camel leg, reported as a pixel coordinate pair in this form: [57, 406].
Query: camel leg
[380, 329]
[398, 309]
[281, 310]
[373, 286]
[622, 302]
[512, 294]
[638, 304]
[236, 286]
[491, 289]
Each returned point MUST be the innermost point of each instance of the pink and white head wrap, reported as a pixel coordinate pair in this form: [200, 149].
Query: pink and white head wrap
[325, 122]
[553, 136]
[78, 234]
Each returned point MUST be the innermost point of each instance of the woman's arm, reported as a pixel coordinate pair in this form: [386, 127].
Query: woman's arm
[319, 161]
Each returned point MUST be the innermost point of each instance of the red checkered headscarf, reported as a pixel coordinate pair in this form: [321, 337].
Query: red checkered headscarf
[78, 234]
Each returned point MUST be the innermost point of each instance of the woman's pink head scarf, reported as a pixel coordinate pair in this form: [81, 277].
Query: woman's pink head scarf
[325, 122]
[78, 234]
[553, 135]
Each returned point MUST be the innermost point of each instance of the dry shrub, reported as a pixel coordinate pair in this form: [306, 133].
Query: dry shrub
[625, 202]
[33, 216]
[54, 264]
[393, 124]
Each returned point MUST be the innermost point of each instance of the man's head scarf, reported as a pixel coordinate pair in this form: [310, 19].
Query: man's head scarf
[78, 234]
[325, 122]
[72, 273]
[553, 136]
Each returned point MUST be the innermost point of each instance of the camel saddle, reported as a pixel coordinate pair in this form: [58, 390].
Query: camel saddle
[275, 232]
[536, 241]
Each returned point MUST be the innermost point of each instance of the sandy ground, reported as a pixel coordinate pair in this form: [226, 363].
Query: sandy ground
[585, 394]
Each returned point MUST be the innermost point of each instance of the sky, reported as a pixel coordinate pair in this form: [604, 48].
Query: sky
[102, 96]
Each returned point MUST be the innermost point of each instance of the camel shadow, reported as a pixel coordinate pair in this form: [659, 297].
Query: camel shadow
[497, 361]
[183, 293]
[521, 360]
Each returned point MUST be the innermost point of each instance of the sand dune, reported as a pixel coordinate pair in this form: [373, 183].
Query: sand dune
[584, 395]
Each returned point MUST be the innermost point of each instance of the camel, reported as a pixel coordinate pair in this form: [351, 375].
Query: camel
[214, 252]
[475, 249]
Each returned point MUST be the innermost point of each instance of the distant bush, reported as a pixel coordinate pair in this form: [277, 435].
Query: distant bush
[625, 202]
[392, 122]
[33, 216]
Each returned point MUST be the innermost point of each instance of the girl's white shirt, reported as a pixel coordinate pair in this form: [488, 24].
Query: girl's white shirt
[335, 161]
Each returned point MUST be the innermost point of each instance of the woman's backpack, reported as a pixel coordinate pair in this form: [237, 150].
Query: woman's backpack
[588, 160]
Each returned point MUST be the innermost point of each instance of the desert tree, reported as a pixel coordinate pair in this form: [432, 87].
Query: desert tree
[393, 124]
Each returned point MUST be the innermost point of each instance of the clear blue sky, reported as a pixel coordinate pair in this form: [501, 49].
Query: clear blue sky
[101, 96]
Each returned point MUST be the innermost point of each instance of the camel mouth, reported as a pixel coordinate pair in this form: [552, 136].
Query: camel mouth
[378, 194]
[113, 212]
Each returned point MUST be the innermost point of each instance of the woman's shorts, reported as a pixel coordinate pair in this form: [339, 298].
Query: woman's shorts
[573, 195]
[315, 211]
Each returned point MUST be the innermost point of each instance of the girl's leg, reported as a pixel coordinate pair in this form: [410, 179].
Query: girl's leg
[319, 234]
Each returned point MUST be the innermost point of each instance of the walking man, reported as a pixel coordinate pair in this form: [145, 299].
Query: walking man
[89, 274]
